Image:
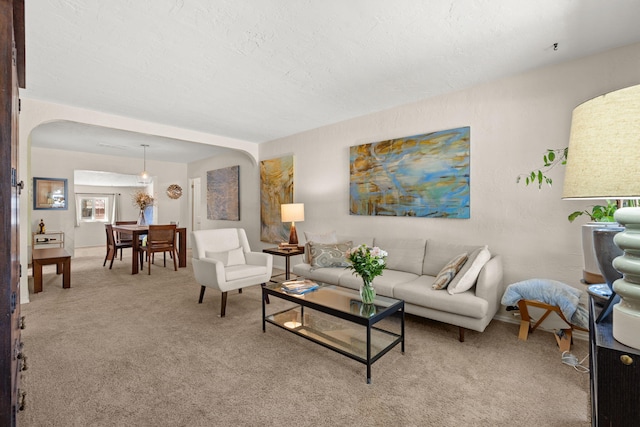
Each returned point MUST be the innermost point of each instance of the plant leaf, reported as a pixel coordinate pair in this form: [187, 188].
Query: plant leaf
[574, 215]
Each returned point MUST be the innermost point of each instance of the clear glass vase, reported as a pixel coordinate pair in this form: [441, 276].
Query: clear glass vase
[141, 219]
[367, 293]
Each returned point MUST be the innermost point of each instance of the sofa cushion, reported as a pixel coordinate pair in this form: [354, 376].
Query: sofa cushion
[468, 275]
[449, 271]
[328, 237]
[327, 275]
[328, 255]
[438, 254]
[357, 240]
[383, 284]
[419, 292]
[404, 254]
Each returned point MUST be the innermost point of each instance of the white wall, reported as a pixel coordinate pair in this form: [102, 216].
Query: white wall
[513, 121]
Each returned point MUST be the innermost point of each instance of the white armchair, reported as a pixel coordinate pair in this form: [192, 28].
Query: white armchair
[222, 259]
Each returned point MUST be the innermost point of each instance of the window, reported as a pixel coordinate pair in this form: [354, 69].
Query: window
[94, 209]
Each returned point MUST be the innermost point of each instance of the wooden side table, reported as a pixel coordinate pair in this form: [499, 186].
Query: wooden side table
[49, 256]
[287, 253]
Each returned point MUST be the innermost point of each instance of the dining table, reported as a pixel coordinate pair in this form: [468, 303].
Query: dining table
[142, 230]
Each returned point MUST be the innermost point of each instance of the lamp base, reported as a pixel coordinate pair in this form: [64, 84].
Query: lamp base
[626, 314]
[625, 325]
[293, 235]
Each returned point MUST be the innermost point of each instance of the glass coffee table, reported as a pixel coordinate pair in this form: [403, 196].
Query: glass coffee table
[336, 318]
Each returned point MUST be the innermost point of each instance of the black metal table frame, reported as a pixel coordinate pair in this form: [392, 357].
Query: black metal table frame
[394, 309]
[287, 254]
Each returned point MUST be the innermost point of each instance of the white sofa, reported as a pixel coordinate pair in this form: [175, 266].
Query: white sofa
[412, 268]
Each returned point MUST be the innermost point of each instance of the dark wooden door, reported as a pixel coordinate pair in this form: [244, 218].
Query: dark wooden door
[11, 67]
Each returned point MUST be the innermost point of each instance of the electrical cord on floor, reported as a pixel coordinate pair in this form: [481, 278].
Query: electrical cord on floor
[571, 360]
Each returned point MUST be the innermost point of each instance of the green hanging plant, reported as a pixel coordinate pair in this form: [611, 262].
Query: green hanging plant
[551, 158]
[558, 156]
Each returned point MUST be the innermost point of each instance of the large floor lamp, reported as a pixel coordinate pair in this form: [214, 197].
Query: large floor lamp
[604, 163]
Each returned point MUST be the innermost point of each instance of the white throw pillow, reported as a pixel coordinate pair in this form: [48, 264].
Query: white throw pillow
[466, 277]
[236, 257]
[232, 257]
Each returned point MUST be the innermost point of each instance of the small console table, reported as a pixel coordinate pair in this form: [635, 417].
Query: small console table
[49, 256]
[287, 253]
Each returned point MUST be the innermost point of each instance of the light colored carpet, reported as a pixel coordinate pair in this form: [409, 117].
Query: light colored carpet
[123, 350]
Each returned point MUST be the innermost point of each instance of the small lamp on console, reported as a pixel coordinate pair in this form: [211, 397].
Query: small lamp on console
[604, 163]
[292, 212]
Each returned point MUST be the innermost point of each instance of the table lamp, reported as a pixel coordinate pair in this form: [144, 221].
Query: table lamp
[292, 212]
[604, 163]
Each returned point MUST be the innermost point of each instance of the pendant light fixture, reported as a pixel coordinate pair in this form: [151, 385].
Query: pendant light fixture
[144, 178]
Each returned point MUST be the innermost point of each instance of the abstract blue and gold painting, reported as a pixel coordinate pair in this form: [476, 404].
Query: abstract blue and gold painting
[423, 176]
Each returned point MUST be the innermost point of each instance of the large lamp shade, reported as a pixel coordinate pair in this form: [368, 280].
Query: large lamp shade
[604, 163]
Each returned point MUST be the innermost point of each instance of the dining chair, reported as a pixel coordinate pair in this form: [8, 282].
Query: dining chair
[122, 236]
[113, 246]
[160, 238]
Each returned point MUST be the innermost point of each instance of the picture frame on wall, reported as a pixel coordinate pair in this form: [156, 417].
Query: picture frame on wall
[49, 193]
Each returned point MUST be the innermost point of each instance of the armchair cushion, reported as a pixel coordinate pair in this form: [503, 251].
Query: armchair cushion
[243, 271]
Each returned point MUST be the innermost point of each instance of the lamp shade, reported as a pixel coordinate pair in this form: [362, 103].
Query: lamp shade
[604, 147]
[604, 162]
[292, 212]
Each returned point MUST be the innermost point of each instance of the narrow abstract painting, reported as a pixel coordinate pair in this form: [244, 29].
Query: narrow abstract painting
[276, 188]
[223, 199]
[424, 176]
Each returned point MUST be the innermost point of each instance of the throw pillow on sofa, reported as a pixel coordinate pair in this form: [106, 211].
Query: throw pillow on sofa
[328, 255]
[449, 271]
[467, 276]
[324, 238]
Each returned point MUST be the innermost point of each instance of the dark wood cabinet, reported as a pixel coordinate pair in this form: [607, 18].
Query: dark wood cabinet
[615, 376]
[11, 75]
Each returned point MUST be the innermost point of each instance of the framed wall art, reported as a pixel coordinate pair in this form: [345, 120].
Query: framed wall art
[423, 176]
[223, 194]
[49, 193]
[276, 188]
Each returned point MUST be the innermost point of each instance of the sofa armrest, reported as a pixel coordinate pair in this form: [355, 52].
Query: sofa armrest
[490, 286]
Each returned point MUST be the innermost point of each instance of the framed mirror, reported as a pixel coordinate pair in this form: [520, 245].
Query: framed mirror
[50, 193]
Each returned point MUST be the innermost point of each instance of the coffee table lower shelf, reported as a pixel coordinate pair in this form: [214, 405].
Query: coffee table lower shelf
[357, 338]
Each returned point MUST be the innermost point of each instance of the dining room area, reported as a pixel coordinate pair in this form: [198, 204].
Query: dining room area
[113, 215]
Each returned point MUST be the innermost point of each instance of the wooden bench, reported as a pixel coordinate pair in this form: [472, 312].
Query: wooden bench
[49, 256]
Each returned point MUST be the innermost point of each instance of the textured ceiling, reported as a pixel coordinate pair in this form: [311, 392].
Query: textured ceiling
[257, 70]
